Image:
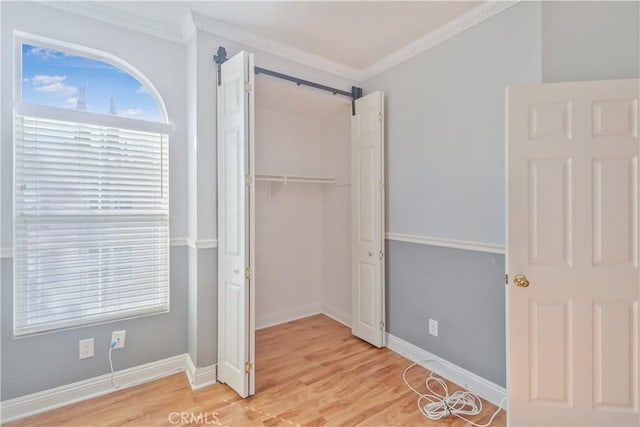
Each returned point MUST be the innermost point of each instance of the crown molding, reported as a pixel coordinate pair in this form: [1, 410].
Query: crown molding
[465, 21]
[226, 31]
[112, 15]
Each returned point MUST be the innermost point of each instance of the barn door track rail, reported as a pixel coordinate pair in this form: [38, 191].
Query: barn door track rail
[356, 92]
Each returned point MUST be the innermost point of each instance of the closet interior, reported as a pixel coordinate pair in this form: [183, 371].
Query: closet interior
[302, 202]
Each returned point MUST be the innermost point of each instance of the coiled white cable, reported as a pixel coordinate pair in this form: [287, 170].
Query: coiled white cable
[435, 406]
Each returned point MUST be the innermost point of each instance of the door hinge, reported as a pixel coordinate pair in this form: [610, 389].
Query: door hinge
[381, 325]
[248, 180]
[248, 366]
[381, 255]
[381, 185]
[506, 279]
[247, 87]
[380, 116]
[248, 273]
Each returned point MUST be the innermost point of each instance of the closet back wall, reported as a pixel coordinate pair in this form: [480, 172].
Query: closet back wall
[302, 229]
[288, 216]
[336, 292]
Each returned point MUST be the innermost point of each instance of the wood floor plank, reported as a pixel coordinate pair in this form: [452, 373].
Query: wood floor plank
[310, 372]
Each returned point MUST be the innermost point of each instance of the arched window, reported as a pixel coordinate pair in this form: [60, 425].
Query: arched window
[67, 80]
[91, 202]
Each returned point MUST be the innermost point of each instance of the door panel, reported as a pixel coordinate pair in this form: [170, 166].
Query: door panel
[550, 352]
[235, 225]
[367, 219]
[367, 282]
[614, 211]
[615, 118]
[550, 211]
[615, 372]
[233, 163]
[573, 232]
[366, 193]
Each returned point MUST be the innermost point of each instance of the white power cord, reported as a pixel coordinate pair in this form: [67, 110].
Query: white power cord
[111, 347]
[116, 386]
[435, 406]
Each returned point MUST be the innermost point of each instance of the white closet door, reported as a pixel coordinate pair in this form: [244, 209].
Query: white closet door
[236, 327]
[367, 219]
[572, 308]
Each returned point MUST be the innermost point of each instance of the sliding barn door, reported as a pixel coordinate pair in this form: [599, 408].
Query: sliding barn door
[236, 328]
[367, 219]
[573, 254]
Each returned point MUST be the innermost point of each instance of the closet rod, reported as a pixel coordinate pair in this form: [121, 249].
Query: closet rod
[356, 92]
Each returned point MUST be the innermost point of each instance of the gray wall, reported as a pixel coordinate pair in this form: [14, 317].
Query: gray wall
[40, 362]
[445, 127]
[463, 290]
[445, 161]
[590, 40]
[207, 300]
[445, 165]
[48, 360]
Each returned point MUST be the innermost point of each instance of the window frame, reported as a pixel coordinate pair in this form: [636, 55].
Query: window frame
[90, 118]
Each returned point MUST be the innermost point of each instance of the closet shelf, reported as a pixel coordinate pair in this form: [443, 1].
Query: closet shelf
[294, 178]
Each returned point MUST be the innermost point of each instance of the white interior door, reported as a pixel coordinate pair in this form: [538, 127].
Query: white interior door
[573, 235]
[367, 219]
[236, 314]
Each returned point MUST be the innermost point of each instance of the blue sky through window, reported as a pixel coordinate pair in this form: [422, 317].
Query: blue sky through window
[55, 78]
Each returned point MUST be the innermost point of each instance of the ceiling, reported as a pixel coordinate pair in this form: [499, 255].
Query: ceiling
[352, 34]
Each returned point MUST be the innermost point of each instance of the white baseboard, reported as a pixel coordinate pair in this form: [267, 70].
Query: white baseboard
[283, 316]
[200, 377]
[337, 315]
[472, 382]
[57, 397]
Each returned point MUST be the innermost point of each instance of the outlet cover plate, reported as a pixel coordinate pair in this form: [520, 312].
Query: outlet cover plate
[119, 337]
[433, 327]
[86, 348]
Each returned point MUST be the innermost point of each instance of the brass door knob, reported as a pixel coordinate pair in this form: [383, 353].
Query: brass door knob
[520, 281]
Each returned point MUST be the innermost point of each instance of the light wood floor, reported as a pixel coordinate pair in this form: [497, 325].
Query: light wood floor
[310, 372]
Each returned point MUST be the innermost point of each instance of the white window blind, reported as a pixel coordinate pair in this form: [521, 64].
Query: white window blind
[91, 219]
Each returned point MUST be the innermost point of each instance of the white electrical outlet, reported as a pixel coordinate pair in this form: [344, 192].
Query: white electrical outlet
[119, 337]
[433, 327]
[86, 348]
